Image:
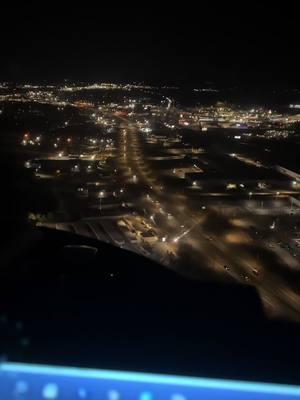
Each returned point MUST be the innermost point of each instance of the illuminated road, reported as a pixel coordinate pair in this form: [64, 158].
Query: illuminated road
[209, 234]
[228, 253]
[231, 225]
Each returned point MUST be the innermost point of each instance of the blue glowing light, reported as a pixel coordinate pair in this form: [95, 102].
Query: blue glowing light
[146, 396]
[146, 385]
[50, 391]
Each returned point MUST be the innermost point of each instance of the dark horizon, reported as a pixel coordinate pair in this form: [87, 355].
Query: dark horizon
[251, 47]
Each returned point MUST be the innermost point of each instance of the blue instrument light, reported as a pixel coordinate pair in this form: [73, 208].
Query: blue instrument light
[35, 382]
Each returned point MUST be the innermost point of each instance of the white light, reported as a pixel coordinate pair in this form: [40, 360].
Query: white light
[113, 395]
[164, 239]
[175, 240]
[194, 183]
[50, 391]
[60, 154]
[273, 225]
[294, 182]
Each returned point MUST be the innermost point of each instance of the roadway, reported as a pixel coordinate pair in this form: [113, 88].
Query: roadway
[206, 237]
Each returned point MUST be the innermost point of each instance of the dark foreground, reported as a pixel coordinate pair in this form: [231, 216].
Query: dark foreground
[116, 310]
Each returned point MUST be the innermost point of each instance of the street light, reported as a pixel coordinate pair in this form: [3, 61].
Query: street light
[250, 194]
[273, 226]
[101, 195]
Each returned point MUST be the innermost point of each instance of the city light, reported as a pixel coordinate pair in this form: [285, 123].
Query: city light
[151, 143]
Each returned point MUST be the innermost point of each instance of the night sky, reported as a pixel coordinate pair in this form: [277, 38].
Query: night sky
[246, 45]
